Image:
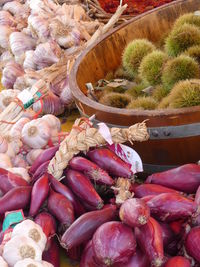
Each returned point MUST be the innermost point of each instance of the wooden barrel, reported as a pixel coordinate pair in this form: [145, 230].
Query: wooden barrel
[174, 133]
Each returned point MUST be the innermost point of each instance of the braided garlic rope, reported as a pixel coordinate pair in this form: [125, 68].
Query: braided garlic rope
[88, 137]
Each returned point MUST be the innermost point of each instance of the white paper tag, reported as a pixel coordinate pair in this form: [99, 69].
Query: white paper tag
[129, 155]
[105, 132]
[197, 13]
[25, 96]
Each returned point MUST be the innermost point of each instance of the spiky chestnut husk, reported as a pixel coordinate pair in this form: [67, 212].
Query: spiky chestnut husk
[185, 94]
[194, 52]
[180, 68]
[108, 90]
[181, 38]
[115, 100]
[189, 18]
[136, 91]
[159, 93]
[134, 53]
[143, 103]
[122, 74]
[150, 69]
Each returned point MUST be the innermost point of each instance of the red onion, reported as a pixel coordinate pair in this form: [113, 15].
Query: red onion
[152, 189]
[192, 243]
[87, 258]
[178, 261]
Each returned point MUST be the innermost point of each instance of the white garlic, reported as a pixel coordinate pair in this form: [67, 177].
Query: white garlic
[39, 26]
[33, 230]
[3, 263]
[20, 43]
[46, 264]
[7, 19]
[28, 263]
[20, 83]
[15, 8]
[30, 114]
[6, 56]
[6, 97]
[38, 6]
[33, 154]
[3, 145]
[21, 172]
[47, 54]
[16, 130]
[10, 73]
[36, 133]
[52, 121]
[66, 96]
[21, 247]
[4, 36]
[5, 161]
[19, 162]
[29, 60]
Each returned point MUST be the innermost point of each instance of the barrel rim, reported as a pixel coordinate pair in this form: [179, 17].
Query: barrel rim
[80, 97]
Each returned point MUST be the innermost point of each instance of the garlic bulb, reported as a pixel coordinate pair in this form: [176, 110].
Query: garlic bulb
[29, 60]
[36, 133]
[21, 247]
[19, 162]
[16, 8]
[6, 97]
[21, 172]
[16, 130]
[51, 105]
[32, 155]
[53, 122]
[46, 264]
[29, 113]
[19, 44]
[72, 39]
[3, 263]
[3, 145]
[32, 230]
[4, 36]
[47, 54]
[39, 26]
[20, 83]
[10, 73]
[28, 263]
[66, 96]
[7, 19]
[5, 161]
[39, 6]
[6, 56]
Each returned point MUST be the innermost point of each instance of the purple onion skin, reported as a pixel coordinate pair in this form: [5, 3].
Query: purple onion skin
[167, 234]
[65, 191]
[110, 162]
[9, 180]
[169, 207]
[113, 242]
[46, 155]
[83, 188]
[84, 227]
[60, 207]
[40, 171]
[87, 258]
[144, 190]
[52, 253]
[91, 170]
[16, 198]
[185, 178]
[39, 194]
[74, 253]
[149, 238]
[139, 259]
[192, 242]
[134, 212]
[47, 223]
[177, 261]
[197, 196]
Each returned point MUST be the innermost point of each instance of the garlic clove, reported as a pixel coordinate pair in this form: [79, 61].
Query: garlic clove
[7, 19]
[32, 230]
[32, 155]
[6, 97]
[53, 122]
[16, 130]
[5, 161]
[21, 172]
[4, 36]
[10, 73]
[3, 145]
[36, 133]
[29, 60]
[28, 263]
[21, 247]
[3, 263]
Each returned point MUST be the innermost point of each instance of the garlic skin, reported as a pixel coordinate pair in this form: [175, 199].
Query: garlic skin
[46, 264]
[28, 263]
[53, 122]
[16, 130]
[32, 230]
[66, 96]
[39, 26]
[47, 54]
[29, 60]
[5, 161]
[16, 8]
[4, 36]
[3, 145]
[3, 263]
[6, 56]
[10, 73]
[21, 247]
[6, 97]
[7, 19]
[19, 162]
[32, 155]
[21, 172]
[36, 133]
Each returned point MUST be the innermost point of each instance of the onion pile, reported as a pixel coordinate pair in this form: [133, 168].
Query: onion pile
[154, 224]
